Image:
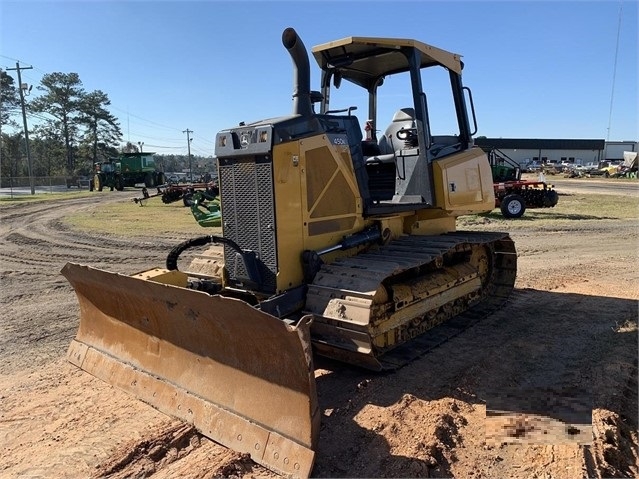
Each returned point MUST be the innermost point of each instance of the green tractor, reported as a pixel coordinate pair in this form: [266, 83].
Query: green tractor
[128, 170]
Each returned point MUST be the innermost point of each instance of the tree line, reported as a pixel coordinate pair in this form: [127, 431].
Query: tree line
[69, 129]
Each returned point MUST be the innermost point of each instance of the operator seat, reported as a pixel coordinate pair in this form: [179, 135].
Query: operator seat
[382, 168]
[402, 119]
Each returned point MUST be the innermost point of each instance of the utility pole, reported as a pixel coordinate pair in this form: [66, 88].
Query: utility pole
[22, 87]
[188, 144]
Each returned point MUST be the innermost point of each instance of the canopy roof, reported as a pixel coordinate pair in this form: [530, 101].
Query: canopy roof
[362, 60]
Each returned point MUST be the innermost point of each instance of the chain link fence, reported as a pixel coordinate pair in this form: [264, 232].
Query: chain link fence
[20, 185]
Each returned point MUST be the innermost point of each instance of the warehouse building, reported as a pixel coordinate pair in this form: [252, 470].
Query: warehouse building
[531, 150]
[614, 150]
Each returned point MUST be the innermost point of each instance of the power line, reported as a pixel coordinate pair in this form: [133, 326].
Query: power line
[614, 71]
[38, 116]
[10, 58]
[167, 147]
[112, 106]
[142, 119]
[205, 140]
[175, 140]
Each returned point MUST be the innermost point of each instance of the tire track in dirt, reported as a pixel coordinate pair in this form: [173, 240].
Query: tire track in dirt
[41, 237]
[36, 244]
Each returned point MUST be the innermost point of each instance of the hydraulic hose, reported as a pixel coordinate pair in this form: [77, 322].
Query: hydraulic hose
[249, 257]
[174, 254]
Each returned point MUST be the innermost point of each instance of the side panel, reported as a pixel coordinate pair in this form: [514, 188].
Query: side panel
[463, 183]
[318, 200]
[331, 199]
[287, 174]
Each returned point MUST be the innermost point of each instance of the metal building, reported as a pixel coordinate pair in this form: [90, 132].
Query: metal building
[534, 150]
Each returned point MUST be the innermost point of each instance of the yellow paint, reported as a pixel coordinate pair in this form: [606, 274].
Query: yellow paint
[318, 202]
[464, 183]
[164, 276]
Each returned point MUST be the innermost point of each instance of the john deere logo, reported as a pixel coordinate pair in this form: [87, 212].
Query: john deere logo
[245, 139]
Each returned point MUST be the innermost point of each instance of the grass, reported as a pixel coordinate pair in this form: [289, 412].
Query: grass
[570, 209]
[128, 219]
[156, 218]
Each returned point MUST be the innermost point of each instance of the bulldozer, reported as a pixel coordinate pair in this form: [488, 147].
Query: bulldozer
[338, 239]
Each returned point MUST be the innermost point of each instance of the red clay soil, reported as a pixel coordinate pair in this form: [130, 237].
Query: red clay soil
[546, 387]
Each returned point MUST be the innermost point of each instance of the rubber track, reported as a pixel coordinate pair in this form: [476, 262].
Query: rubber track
[413, 251]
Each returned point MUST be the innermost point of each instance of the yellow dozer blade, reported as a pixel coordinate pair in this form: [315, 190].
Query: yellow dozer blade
[243, 377]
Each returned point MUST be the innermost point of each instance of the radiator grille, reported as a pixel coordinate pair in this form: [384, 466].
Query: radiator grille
[248, 214]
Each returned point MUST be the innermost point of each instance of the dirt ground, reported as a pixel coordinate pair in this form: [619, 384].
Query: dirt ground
[546, 387]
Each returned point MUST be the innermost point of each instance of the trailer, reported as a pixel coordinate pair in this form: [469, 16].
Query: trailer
[514, 195]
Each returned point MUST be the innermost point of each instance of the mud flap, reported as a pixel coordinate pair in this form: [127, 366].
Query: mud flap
[242, 377]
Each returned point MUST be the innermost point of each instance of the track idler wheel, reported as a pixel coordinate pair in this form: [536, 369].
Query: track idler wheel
[481, 259]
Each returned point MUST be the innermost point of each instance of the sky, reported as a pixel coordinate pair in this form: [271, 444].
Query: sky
[542, 69]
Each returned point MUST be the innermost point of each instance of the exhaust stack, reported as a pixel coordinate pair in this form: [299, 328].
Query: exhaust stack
[301, 73]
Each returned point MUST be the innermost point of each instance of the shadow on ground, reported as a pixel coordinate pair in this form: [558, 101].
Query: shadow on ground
[556, 355]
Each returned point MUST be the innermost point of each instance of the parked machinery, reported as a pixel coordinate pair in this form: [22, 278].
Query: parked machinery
[333, 242]
[512, 194]
[129, 169]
